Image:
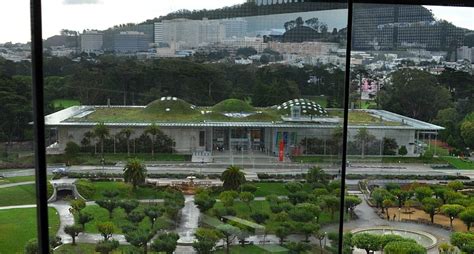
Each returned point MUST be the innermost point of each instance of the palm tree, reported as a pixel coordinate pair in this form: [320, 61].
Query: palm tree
[134, 172]
[127, 133]
[233, 177]
[364, 137]
[152, 130]
[101, 131]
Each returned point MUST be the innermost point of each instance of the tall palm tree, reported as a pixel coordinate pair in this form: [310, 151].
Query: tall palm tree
[127, 133]
[134, 172]
[101, 131]
[233, 177]
[152, 130]
[364, 137]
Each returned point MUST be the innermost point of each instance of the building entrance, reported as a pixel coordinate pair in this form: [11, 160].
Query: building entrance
[238, 139]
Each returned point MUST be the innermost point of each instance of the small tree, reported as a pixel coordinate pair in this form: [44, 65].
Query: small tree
[101, 131]
[105, 247]
[83, 218]
[308, 229]
[140, 238]
[128, 205]
[204, 201]
[387, 203]
[404, 247]
[134, 172]
[108, 204]
[379, 195]
[259, 217]
[153, 213]
[106, 229]
[73, 231]
[350, 203]
[367, 242]
[431, 207]
[467, 217]
[77, 205]
[423, 192]
[317, 175]
[402, 151]
[452, 211]
[31, 247]
[247, 198]
[282, 231]
[248, 187]
[166, 243]
[127, 133]
[229, 233]
[232, 178]
[227, 198]
[456, 185]
[72, 150]
[152, 131]
[464, 241]
[135, 217]
[206, 240]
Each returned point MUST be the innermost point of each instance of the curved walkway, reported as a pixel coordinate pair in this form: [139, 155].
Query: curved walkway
[16, 184]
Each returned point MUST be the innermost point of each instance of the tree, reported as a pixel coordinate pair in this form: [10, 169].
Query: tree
[379, 195]
[246, 52]
[248, 187]
[367, 242]
[364, 138]
[71, 150]
[227, 198]
[135, 217]
[456, 185]
[101, 131]
[316, 175]
[305, 212]
[77, 205]
[259, 217]
[467, 216]
[387, 203]
[106, 229]
[401, 195]
[386, 239]
[232, 178]
[293, 186]
[431, 207]
[152, 212]
[127, 133]
[152, 131]
[407, 92]
[452, 211]
[446, 248]
[350, 203]
[282, 231]
[298, 247]
[331, 203]
[140, 238]
[403, 151]
[134, 172]
[404, 247]
[467, 130]
[31, 247]
[313, 23]
[128, 205]
[105, 247]
[204, 201]
[423, 192]
[229, 233]
[83, 218]
[247, 198]
[464, 241]
[390, 146]
[108, 204]
[165, 242]
[206, 240]
[308, 229]
[73, 231]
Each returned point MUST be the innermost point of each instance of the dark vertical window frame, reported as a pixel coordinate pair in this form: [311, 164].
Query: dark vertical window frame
[347, 80]
[39, 127]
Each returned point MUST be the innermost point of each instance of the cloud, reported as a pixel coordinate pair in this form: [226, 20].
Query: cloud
[81, 1]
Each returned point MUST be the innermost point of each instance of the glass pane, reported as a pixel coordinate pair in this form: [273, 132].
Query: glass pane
[411, 112]
[204, 100]
[18, 228]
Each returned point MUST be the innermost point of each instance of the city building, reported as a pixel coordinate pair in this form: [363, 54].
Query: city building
[269, 2]
[465, 53]
[234, 125]
[130, 42]
[91, 41]
[387, 27]
[235, 28]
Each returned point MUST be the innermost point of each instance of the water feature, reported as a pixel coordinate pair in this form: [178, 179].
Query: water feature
[426, 240]
[189, 221]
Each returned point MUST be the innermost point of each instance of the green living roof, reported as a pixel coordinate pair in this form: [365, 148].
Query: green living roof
[174, 110]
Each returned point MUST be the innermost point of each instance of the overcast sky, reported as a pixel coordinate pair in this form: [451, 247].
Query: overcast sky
[101, 14]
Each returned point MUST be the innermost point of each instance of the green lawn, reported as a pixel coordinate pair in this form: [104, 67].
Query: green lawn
[119, 219]
[17, 226]
[84, 248]
[18, 195]
[110, 158]
[16, 179]
[459, 163]
[265, 189]
[252, 249]
[125, 191]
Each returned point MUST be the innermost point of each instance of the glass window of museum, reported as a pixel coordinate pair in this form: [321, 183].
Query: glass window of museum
[246, 126]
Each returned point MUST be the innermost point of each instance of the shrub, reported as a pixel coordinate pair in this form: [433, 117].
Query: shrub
[85, 188]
